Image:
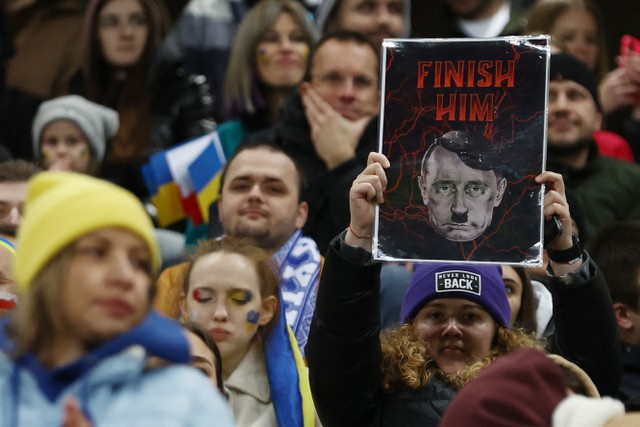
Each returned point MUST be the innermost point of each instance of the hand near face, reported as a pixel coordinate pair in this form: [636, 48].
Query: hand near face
[631, 65]
[334, 137]
[618, 90]
[65, 148]
[61, 164]
[367, 191]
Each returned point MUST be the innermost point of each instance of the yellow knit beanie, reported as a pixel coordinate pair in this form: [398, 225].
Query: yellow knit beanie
[61, 207]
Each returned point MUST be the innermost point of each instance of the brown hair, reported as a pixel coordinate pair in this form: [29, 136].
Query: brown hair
[37, 322]
[261, 261]
[526, 318]
[97, 72]
[543, 15]
[129, 96]
[343, 36]
[242, 88]
[274, 148]
[17, 170]
[405, 362]
[206, 338]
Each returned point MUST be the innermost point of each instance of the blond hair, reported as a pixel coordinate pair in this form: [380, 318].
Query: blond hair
[37, 322]
[242, 92]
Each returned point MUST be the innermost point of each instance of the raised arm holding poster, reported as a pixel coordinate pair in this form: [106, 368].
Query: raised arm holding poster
[463, 124]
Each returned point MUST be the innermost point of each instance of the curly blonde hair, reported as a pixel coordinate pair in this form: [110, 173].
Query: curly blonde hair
[405, 362]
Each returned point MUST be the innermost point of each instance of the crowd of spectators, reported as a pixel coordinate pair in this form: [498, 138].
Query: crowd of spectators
[277, 299]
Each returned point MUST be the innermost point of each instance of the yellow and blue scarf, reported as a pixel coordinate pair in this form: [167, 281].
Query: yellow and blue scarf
[288, 378]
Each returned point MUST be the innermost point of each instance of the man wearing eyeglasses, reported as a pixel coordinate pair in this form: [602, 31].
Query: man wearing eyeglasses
[331, 126]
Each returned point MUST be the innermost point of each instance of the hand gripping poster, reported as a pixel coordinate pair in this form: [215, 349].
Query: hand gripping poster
[463, 124]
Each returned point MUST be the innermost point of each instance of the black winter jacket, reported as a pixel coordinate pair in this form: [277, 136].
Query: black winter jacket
[344, 355]
[345, 358]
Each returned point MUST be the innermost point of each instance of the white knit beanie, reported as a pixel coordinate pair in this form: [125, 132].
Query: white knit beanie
[98, 123]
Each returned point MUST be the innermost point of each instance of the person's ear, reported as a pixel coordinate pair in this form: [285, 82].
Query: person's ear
[622, 316]
[502, 187]
[302, 214]
[268, 310]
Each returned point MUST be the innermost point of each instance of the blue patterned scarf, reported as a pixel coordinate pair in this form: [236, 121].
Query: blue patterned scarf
[300, 262]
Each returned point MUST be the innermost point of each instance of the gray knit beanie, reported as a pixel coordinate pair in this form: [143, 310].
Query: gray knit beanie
[98, 123]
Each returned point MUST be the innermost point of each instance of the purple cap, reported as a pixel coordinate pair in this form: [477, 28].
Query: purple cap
[481, 284]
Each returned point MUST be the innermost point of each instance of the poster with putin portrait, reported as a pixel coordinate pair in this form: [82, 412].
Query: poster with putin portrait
[463, 125]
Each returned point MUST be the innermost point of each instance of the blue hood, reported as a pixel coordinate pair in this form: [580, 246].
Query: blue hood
[157, 334]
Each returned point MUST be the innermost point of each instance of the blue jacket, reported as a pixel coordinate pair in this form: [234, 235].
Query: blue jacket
[113, 385]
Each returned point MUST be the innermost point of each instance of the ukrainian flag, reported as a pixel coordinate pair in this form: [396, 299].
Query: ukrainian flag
[205, 172]
[165, 194]
[288, 378]
[184, 180]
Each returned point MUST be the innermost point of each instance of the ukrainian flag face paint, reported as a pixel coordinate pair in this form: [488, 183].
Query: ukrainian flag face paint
[224, 299]
[64, 147]
[8, 288]
[263, 55]
[281, 54]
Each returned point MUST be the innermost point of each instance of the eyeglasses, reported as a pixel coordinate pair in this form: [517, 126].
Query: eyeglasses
[134, 20]
[336, 80]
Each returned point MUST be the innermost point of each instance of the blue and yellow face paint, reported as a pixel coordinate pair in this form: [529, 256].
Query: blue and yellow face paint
[262, 55]
[234, 300]
[253, 317]
[8, 245]
[237, 297]
[8, 300]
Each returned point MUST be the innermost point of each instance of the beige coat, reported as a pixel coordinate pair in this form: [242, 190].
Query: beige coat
[249, 393]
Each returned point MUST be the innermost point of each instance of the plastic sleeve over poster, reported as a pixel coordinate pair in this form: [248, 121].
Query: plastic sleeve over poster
[463, 124]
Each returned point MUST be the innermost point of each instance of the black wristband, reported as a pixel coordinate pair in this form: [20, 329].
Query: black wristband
[566, 256]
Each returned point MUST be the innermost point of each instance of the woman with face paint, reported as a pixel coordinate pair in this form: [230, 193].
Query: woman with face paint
[231, 290]
[268, 60]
